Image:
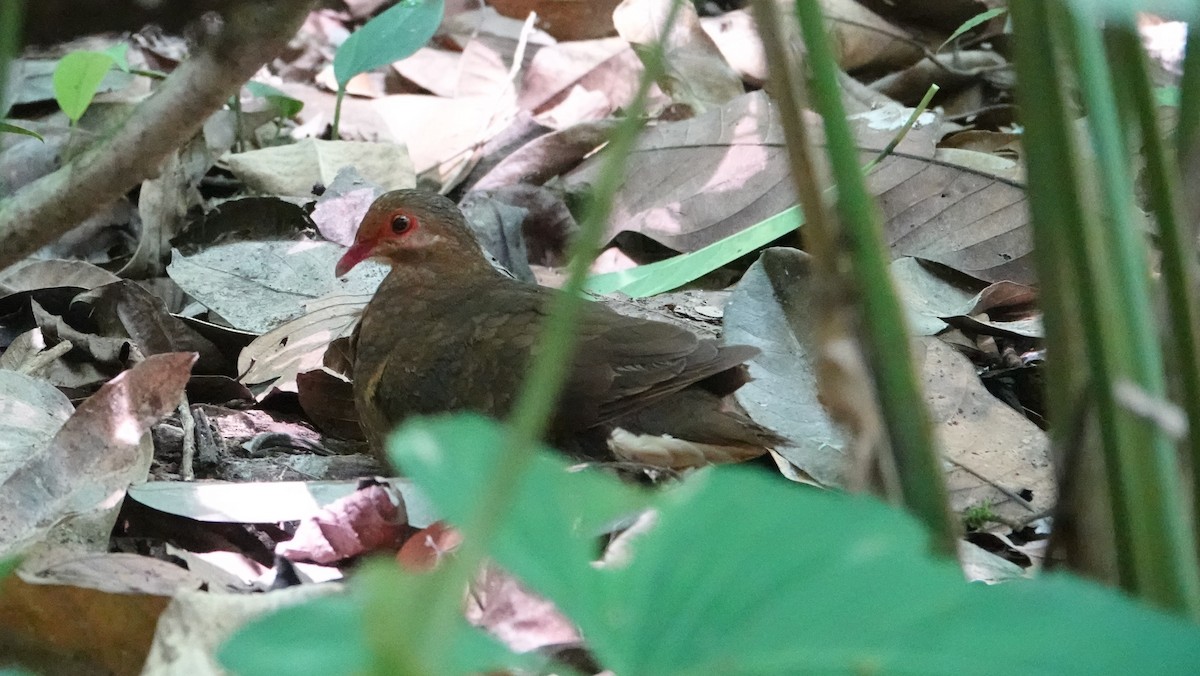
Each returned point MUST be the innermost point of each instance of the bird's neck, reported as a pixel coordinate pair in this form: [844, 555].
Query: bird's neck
[418, 271]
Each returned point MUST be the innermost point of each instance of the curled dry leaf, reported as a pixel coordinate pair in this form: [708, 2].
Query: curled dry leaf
[39, 274]
[91, 460]
[299, 345]
[371, 518]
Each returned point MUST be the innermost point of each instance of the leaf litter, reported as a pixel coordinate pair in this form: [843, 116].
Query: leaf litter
[239, 327]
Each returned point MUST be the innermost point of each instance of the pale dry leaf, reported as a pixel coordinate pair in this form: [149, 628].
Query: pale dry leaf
[31, 412]
[521, 619]
[607, 66]
[442, 133]
[195, 624]
[693, 182]
[39, 274]
[296, 168]
[695, 73]
[265, 502]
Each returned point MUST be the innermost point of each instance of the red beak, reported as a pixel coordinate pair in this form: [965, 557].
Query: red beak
[357, 253]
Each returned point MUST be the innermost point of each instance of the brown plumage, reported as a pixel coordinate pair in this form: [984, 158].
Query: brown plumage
[446, 332]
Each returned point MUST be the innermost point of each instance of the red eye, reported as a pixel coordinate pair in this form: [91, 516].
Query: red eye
[401, 224]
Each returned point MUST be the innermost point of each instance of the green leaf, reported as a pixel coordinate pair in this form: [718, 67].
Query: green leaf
[454, 456]
[389, 37]
[285, 105]
[1167, 96]
[372, 630]
[744, 573]
[14, 129]
[647, 280]
[978, 19]
[119, 52]
[323, 636]
[76, 80]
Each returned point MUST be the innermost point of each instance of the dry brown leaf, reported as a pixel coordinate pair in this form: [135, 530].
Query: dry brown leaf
[328, 401]
[101, 610]
[38, 274]
[693, 182]
[370, 519]
[521, 619]
[985, 436]
[86, 467]
[606, 66]
[564, 19]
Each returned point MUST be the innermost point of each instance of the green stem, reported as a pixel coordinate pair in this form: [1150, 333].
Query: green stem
[11, 19]
[1178, 266]
[1162, 557]
[337, 113]
[547, 374]
[882, 321]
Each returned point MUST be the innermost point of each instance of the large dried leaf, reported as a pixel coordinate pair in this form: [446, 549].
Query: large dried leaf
[265, 502]
[257, 286]
[607, 66]
[101, 609]
[86, 467]
[440, 133]
[694, 182]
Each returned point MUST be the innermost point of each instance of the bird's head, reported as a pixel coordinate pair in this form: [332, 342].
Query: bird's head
[404, 225]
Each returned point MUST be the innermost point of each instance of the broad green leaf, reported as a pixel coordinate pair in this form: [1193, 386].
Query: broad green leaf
[14, 129]
[286, 106]
[76, 80]
[393, 35]
[454, 456]
[805, 581]
[744, 573]
[647, 280]
[978, 19]
[323, 636]
[374, 629]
